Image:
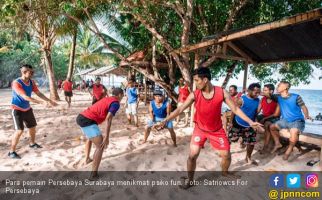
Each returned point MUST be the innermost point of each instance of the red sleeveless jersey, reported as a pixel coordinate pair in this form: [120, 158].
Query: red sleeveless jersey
[68, 86]
[183, 93]
[97, 91]
[208, 111]
[98, 111]
[268, 108]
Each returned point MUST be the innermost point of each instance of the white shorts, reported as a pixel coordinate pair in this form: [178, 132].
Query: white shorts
[131, 109]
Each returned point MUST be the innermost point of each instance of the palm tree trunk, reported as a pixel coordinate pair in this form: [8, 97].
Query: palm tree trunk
[51, 78]
[72, 56]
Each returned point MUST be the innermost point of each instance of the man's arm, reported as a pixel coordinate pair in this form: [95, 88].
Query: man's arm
[235, 109]
[306, 112]
[151, 112]
[108, 128]
[259, 108]
[168, 108]
[43, 97]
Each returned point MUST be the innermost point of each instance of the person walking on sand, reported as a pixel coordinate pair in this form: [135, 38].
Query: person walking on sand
[132, 102]
[208, 101]
[159, 109]
[22, 113]
[292, 120]
[268, 106]
[241, 128]
[184, 91]
[97, 90]
[89, 119]
[67, 86]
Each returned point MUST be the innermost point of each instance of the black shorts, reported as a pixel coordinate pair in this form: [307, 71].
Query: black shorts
[21, 117]
[248, 134]
[68, 94]
[84, 121]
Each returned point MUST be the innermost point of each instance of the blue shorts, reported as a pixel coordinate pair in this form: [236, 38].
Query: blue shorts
[91, 131]
[157, 119]
[283, 124]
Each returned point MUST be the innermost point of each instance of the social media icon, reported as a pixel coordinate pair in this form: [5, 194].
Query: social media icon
[293, 181]
[312, 180]
[276, 181]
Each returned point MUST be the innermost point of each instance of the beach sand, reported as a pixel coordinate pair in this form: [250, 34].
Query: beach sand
[63, 145]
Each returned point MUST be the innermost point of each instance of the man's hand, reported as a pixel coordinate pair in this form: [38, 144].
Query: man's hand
[105, 143]
[308, 117]
[256, 125]
[159, 126]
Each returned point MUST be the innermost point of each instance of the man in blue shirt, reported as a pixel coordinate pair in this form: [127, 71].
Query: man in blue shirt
[292, 120]
[159, 109]
[132, 102]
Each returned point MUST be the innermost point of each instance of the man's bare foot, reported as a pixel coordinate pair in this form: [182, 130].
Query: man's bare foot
[94, 176]
[230, 175]
[276, 147]
[175, 145]
[263, 151]
[142, 142]
[250, 161]
[185, 183]
[286, 156]
[88, 160]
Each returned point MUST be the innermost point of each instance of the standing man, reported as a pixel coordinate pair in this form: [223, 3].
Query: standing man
[159, 109]
[67, 86]
[208, 101]
[89, 120]
[22, 113]
[292, 120]
[97, 90]
[184, 91]
[241, 128]
[132, 102]
[268, 106]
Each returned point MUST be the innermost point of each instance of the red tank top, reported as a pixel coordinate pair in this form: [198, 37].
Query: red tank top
[183, 93]
[268, 108]
[98, 111]
[237, 96]
[97, 91]
[68, 86]
[208, 111]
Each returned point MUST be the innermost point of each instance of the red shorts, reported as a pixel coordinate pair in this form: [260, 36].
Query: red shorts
[218, 139]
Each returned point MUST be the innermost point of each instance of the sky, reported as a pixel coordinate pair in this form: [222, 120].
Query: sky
[315, 84]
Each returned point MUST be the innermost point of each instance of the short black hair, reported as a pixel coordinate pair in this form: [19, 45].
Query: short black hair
[286, 82]
[157, 93]
[117, 91]
[26, 66]
[270, 86]
[98, 78]
[253, 86]
[202, 72]
[234, 86]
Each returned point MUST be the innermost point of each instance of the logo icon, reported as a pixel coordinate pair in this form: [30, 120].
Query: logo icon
[197, 139]
[293, 181]
[312, 180]
[276, 180]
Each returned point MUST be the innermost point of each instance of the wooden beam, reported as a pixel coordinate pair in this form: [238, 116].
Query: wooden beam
[194, 47]
[240, 52]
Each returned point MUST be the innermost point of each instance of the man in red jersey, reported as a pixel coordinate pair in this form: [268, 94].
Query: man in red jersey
[67, 86]
[184, 91]
[208, 101]
[97, 90]
[270, 114]
[94, 115]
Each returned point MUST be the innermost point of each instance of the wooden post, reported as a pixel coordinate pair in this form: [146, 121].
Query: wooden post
[145, 91]
[245, 76]
[196, 65]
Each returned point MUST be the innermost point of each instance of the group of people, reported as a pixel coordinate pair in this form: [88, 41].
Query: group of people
[247, 116]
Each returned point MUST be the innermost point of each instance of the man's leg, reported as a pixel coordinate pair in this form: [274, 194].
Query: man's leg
[274, 129]
[186, 121]
[128, 118]
[97, 155]
[136, 123]
[88, 147]
[32, 133]
[267, 136]
[173, 136]
[249, 151]
[294, 132]
[192, 160]
[225, 161]
[15, 140]
[69, 101]
[146, 133]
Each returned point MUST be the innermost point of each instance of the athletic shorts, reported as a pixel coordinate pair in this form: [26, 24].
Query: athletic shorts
[157, 119]
[186, 110]
[89, 127]
[23, 117]
[248, 134]
[131, 108]
[218, 139]
[283, 124]
[68, 93]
